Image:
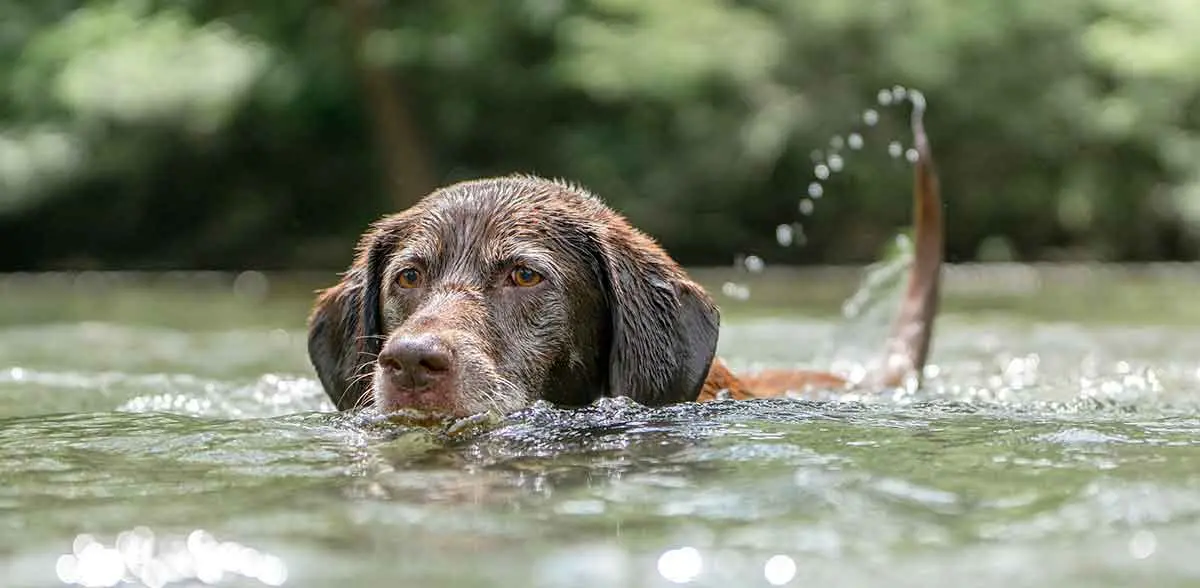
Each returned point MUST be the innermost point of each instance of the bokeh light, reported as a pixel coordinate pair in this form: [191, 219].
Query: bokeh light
[140, 556]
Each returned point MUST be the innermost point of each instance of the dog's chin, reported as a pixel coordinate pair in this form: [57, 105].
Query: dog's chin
[459, 398]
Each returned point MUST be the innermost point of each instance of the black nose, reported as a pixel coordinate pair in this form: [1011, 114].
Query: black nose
[416, 361]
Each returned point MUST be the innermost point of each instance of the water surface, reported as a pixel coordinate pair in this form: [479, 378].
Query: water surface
[170, 425]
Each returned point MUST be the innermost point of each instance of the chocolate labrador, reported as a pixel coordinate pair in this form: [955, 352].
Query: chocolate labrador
[491, 294]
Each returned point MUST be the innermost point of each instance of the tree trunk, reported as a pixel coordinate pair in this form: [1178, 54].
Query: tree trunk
[409, 174]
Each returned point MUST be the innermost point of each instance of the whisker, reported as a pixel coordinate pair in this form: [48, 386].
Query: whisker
[490, 398]
[503, 382]
[365, 371]
[363, 401]
[360, 377]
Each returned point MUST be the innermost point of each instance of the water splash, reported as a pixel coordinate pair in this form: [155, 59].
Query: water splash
[788, 235]
[749, 263]
[826, 164]
[881, 281]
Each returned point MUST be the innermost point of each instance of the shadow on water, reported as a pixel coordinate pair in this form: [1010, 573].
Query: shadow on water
[171, 431]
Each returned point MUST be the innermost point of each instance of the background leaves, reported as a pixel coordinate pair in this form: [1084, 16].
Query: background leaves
[213, 133]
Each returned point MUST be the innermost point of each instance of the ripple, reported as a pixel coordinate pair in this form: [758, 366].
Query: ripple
[1035, 453]
[267, 395]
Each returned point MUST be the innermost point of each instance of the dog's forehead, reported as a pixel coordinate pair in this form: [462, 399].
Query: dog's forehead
[478, 223]
[513, 194]
[510, 207]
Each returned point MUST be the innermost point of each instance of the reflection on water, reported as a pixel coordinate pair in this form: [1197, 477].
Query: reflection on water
[681, 565]
[139, 557]
[189, 444]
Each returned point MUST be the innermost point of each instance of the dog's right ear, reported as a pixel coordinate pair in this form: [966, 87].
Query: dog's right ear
[345, 329]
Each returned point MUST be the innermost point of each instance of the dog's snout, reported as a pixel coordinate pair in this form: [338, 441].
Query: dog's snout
[417, 361]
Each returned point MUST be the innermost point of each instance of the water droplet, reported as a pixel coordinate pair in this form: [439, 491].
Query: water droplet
[836, 163]
[754, 263]
[815, 189]
[779, 570]
[784, 235]
[911, 155]
[82, 541]
[885, 97]
[855, 141]
[273, 571]
[837, 142]
[870, 117]
[894, 149]
[816, 156]
[898, 93]
[917, 99]
[67, 569]
[681, 566]
[798, 234]
[821, 171]
[1143, 544]
[806, 207]
[251, 285]
[735, 291]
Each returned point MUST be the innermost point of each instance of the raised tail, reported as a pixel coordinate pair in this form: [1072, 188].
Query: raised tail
[907, 346]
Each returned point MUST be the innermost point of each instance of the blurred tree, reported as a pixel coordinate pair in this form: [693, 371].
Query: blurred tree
[400, 145]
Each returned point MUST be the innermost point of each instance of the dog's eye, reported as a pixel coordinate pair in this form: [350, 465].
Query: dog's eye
[408, 277]
[525, 277]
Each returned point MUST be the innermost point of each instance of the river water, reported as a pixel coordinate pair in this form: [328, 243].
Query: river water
[168, 430]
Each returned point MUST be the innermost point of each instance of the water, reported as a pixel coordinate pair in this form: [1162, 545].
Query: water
[171, 425]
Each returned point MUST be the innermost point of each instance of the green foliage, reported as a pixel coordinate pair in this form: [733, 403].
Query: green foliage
[110, 66]
[220, 133]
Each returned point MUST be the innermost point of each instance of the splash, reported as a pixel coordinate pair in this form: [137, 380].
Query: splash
[827, 164]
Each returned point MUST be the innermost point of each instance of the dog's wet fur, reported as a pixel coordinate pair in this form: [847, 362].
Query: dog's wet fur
[488, 295]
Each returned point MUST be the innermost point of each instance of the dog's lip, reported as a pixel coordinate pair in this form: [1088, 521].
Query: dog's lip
[434, 399]
[416, 417]
[446, 426]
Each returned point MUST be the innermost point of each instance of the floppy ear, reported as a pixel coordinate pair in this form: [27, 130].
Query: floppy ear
[345, 330]
[664, 326]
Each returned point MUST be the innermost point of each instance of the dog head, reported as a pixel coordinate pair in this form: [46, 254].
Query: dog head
[491, 294]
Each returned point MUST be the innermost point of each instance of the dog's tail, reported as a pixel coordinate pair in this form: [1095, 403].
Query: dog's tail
[907, 346]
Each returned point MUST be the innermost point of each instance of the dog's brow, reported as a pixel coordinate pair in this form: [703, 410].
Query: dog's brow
[408, 256]
[537, 258]
[423, 246]
[523, 247]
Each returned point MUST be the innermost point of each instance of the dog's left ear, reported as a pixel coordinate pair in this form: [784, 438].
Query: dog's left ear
[664, 326]
[345, 330]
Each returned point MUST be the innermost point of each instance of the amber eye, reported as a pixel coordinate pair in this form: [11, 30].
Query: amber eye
[408, 278]
[525, 277]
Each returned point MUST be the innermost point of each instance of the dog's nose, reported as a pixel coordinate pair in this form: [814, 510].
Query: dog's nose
[416, 361]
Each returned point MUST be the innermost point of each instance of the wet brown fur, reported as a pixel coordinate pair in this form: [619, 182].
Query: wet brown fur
[615, 316]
